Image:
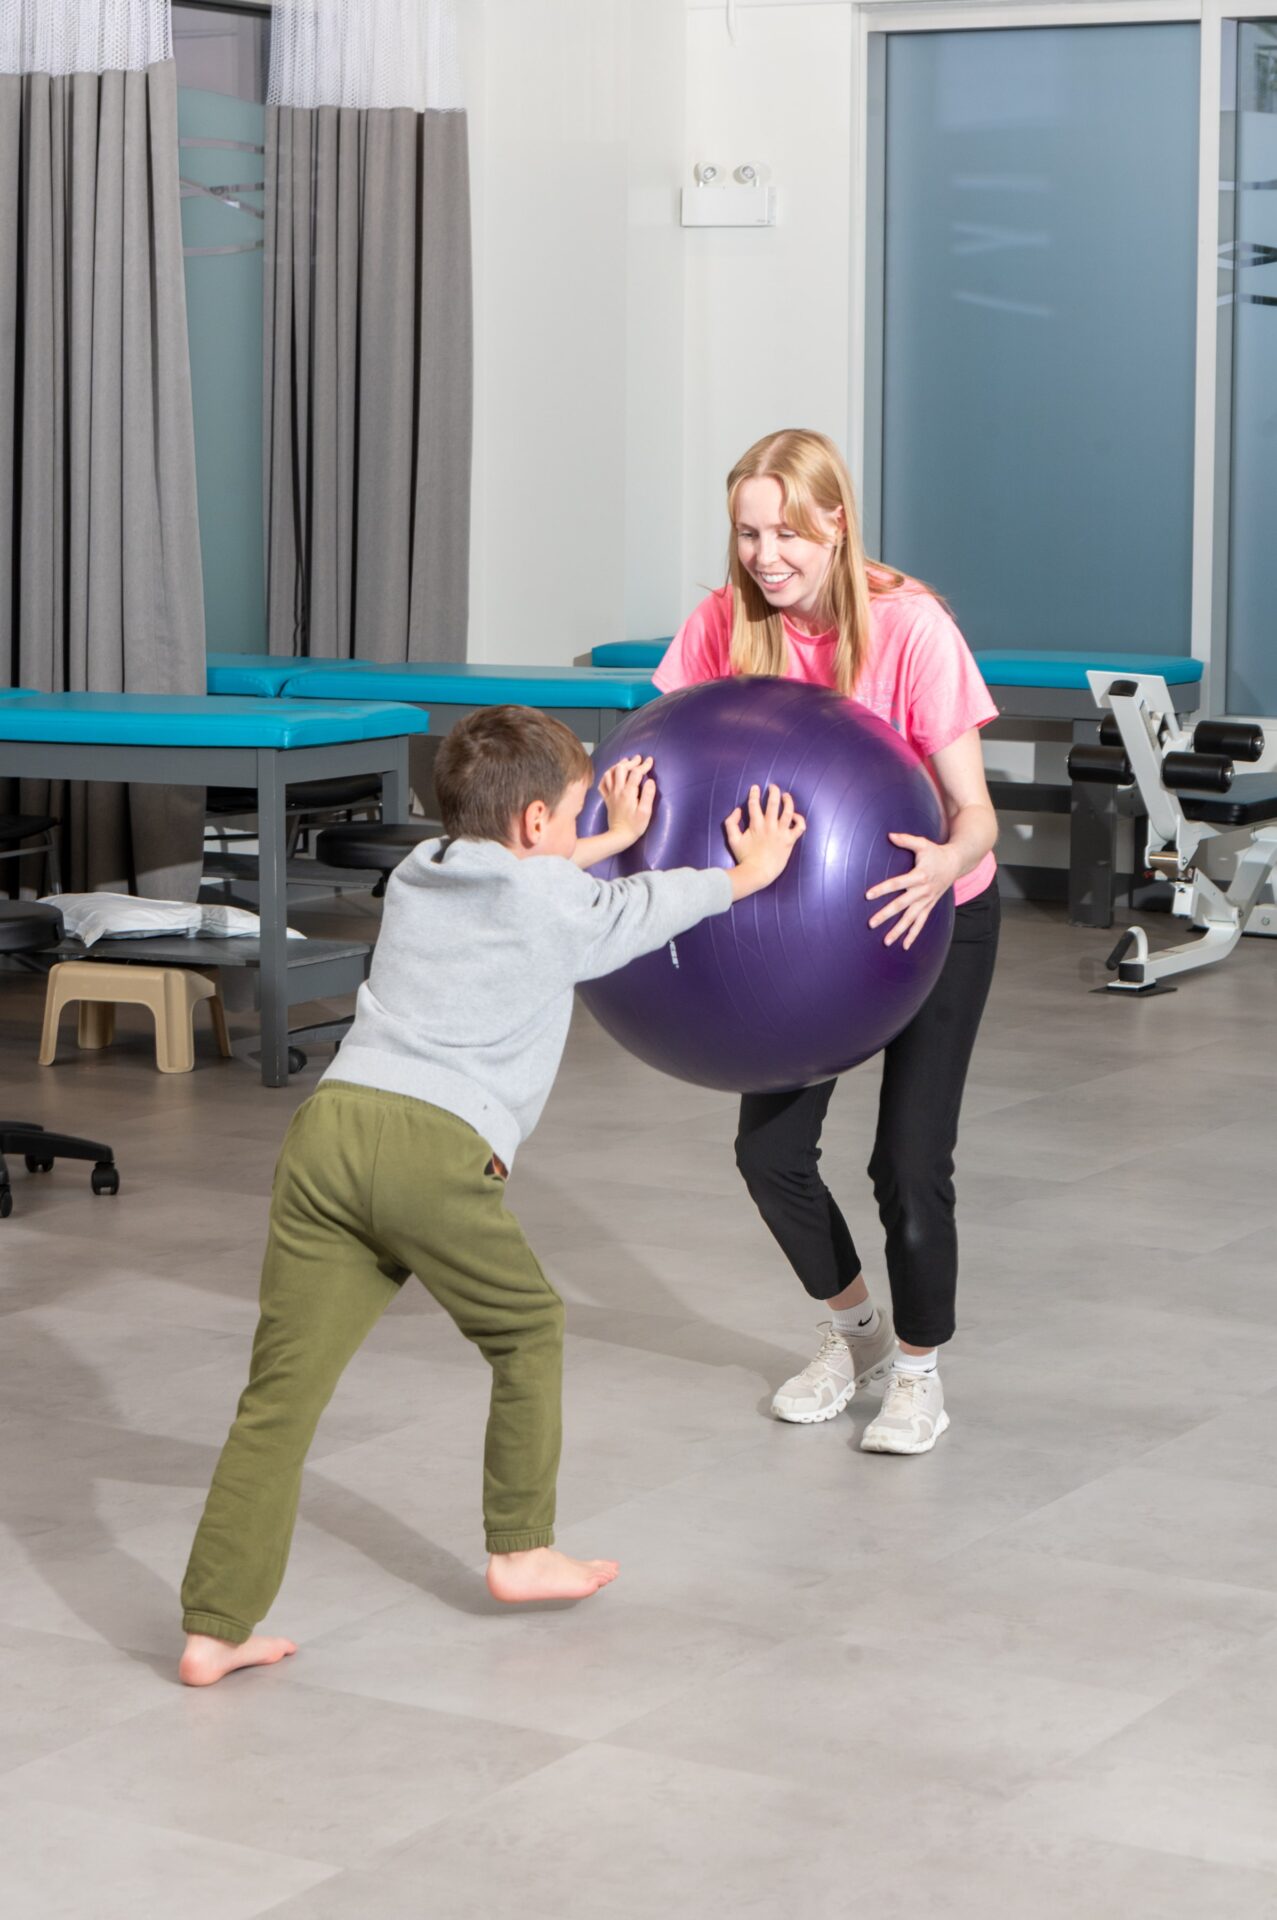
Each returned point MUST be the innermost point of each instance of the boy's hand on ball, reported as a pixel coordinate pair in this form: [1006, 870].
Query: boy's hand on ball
[629, 796]
[914, 894]
[762, 848]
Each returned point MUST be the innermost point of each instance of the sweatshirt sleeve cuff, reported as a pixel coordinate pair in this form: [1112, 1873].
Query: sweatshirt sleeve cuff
[722, 885]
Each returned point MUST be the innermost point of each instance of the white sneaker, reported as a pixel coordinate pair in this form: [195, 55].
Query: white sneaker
[827, 1383]
[912, 1416]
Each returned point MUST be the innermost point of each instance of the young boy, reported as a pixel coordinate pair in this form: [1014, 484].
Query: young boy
[397, 1163]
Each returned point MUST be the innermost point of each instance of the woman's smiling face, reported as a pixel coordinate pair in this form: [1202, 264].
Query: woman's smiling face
[789, 569]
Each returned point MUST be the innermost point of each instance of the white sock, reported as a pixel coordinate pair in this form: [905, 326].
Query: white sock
[855, 1322]
[915, 1363]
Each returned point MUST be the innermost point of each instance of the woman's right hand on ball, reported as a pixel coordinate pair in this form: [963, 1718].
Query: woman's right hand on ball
[762, 848]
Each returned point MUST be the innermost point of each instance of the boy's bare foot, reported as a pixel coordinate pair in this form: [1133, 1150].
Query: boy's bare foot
[544, 1574]
[206, 1659]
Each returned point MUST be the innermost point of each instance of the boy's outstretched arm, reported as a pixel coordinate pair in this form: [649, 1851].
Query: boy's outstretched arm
[610, 923]
[629, 794]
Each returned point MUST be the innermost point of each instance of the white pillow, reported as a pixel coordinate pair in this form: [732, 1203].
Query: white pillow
[122, 916]
[218, 919]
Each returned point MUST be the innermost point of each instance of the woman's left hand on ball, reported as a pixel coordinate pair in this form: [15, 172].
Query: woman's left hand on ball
[913, 894]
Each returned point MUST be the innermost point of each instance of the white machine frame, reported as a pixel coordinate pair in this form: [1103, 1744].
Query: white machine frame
[1219, 874]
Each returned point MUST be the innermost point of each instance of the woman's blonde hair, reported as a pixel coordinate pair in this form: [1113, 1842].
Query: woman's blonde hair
[813, 479]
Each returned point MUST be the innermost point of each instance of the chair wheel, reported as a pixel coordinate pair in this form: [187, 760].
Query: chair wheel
[105, 1178]
[6, 1202]
[296, 1060]
[36, 1165]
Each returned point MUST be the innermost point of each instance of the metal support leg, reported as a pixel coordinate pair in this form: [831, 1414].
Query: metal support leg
[1092, 845]
[1092, 854]
[394, 786]
[273, 907]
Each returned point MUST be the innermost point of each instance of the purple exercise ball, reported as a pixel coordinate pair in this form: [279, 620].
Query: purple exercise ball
[791, 986]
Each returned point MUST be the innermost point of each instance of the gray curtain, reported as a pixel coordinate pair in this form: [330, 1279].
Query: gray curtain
[368, 356]
[99, 542]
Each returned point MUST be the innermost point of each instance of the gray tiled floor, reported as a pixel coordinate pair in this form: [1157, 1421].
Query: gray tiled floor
[1032, 1674]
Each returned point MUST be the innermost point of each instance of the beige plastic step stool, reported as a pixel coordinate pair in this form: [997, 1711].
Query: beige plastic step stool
[171, 993]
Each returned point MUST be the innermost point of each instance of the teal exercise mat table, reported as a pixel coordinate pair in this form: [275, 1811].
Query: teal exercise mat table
[1050, 685]
[265, 744]
[261, 674]
[642, 655]
[1029, 679]
[589, 700]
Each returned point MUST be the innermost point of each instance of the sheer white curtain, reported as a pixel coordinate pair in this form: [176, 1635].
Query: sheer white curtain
[83, 36]
[365, 53]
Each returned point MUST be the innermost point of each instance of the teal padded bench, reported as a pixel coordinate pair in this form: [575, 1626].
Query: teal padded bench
[160, 721]
[1043, 672]
[586, 699]
[253, 673]
[266, 744]
[1049, 686]
[644, 654]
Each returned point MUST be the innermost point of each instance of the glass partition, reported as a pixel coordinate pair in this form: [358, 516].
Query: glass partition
[1039, 226]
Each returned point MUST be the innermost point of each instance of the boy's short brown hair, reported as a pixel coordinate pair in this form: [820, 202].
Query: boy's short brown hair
[496, 762]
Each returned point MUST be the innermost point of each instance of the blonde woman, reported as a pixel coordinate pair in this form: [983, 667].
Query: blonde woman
[803, 602]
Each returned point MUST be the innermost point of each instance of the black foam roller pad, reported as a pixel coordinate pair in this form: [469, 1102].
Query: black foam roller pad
[1103, 765]
[1197, 772]
[1236, 739]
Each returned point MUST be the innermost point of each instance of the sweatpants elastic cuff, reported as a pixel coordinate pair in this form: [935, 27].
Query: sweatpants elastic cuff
[925, 1341]
[219, 1628]
[520, 1542]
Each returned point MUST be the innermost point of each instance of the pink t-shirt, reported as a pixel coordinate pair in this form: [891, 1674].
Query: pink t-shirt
[919, 677]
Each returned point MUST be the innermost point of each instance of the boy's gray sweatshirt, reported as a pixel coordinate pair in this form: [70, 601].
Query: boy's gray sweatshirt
[469, 998]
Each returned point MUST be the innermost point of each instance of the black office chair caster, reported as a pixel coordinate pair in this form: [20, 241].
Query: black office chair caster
[27, 927]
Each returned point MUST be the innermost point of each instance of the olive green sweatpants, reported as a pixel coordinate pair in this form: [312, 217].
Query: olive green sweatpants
[371, 1187]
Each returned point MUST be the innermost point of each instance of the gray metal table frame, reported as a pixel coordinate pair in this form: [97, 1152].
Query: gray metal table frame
[269, 771]
[592, 724]
[1093, 809]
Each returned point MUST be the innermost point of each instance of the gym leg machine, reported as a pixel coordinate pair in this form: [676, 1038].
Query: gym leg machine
[1215, 844]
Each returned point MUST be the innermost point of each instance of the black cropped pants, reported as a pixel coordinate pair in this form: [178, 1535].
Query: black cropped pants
[924, 1072]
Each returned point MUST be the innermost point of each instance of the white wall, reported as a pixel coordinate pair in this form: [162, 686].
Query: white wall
[767, 309]
[576, 113]
[622, 362]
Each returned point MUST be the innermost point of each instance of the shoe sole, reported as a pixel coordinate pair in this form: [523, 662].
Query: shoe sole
[831, 1412]
[924, 1446]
